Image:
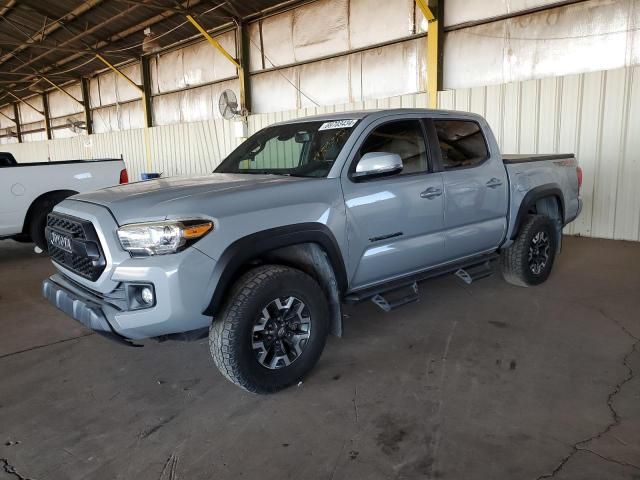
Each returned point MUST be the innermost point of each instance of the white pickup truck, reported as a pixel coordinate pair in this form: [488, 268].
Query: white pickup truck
[29, 191]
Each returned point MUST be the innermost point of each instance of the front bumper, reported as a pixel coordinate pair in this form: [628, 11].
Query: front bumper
[181, 289]
[79, 305]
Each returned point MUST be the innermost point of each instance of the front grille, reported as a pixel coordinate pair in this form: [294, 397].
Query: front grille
[81, 232]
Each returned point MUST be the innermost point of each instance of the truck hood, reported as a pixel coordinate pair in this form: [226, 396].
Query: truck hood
[167, 197]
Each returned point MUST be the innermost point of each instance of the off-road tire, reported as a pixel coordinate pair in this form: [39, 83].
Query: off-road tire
[515, 259]
[230, 335]
[38, 220]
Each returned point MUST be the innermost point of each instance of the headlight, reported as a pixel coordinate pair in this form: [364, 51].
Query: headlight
[159, 238]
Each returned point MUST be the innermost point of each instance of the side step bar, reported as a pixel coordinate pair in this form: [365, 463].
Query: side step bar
[474, 272]
[478, 266]
[408, 297]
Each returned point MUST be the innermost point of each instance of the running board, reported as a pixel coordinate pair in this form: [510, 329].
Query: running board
[384, 288]
[393, 301]
[474, 272]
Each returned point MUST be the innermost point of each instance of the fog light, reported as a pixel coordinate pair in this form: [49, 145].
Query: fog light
[147, 295]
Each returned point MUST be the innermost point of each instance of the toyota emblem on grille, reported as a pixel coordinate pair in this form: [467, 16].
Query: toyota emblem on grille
[60, 241]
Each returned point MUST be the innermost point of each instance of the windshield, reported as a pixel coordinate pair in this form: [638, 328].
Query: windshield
[300, 149]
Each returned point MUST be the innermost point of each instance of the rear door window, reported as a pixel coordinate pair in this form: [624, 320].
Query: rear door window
[462, 143]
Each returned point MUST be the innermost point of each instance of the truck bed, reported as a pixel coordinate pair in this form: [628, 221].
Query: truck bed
[541, 157]
[62, 162]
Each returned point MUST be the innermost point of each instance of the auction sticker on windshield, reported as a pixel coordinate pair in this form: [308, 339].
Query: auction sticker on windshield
[338, 124]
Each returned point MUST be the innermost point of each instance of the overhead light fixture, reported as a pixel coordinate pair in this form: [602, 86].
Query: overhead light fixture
[150, 44]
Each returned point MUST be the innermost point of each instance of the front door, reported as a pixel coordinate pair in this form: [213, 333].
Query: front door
[395, 222]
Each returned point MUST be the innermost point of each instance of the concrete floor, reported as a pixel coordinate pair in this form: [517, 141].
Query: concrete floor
[487, 381]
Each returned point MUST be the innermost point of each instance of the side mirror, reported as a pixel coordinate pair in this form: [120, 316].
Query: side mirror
[377, 164]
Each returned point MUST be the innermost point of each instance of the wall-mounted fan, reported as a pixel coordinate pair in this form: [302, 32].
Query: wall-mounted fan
[76, 126]
[228, 105]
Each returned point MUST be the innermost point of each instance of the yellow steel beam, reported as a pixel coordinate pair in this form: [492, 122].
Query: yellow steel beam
[60, 89]
[115, 69]
[214, 42]
[432, 53]
[227, 55]
[147, 143]
[426, 11]
[25, 102]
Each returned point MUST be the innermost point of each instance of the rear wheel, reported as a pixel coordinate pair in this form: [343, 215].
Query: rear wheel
[529, 259]
[272, 329]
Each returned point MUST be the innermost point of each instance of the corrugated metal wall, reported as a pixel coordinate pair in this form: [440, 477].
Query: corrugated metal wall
[596, 115]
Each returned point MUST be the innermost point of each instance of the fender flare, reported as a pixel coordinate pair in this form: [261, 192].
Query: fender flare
[530, 199]
[247, 248]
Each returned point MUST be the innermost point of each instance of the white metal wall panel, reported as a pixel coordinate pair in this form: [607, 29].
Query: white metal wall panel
[196, 104]
[595, 115]
[8, 140]
[166, 108]
[588, 36]
[255, 55]
[7, 111]
[326, 82]
[167, 72]
[28, 152]
[199, 63]
[274, 91]
[34, 137]
[61, 105]
[124, 90]
[320, 28]
[379, 22]
[94, 92]
[107, 88]
[28, 114]
[192, 65]
[461, 11]
[277, 38]
[392, 70]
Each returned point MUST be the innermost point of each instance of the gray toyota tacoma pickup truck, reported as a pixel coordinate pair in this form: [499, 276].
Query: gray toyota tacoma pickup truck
[301, 218]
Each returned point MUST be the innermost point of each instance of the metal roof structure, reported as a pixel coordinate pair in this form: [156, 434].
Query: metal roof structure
[60, 39]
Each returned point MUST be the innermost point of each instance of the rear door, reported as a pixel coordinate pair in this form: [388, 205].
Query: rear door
[395, 223]
[475, 186]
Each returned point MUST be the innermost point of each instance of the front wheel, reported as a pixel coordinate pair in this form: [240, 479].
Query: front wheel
[529, 259]
[272, 330]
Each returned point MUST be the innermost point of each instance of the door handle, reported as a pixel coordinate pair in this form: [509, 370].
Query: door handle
[431, 192]
[494, 182]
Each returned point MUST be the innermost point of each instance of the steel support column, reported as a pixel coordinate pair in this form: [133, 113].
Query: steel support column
[146, 87]
[433, 11]
[16, 119]
[243, 71]
[47, 116]
[86, 103]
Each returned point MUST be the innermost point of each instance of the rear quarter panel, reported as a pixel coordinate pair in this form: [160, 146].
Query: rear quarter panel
[524, 177]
